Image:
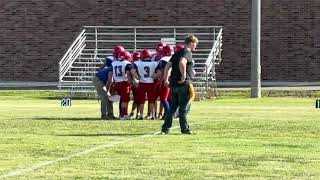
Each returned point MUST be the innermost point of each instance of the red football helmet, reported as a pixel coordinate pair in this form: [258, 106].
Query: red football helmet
[136, 55]
[125, 55]
[160, 46]
[178, 47]
[167, 50]
[117, 50]
[146, 54]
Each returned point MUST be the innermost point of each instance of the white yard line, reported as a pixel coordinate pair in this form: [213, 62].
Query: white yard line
[81, 153]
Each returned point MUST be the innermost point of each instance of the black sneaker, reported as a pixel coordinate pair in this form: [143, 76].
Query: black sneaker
[111, 117]
[163, 132]
[104, 117]
[186, 132]
[140, 118]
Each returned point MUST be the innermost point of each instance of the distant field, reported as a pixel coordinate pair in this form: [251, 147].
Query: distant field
[235, 138]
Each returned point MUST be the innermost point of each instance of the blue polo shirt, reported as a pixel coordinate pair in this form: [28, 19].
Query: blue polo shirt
[109, 60]
[103, 74]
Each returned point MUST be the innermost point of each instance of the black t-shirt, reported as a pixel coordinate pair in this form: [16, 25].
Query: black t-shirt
[175, 72]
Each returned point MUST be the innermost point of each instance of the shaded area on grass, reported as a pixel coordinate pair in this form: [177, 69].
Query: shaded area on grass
[104, 134]
[67, 119]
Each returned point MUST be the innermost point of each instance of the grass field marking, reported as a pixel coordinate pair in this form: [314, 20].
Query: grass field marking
[19, 172]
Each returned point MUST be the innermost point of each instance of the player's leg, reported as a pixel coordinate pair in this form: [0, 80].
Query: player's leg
[117, 87]
[141, 100]
[161, 108]
[134, 104]
[165, 90]
[148, 114]
[151, 99]
[154, 109]
[125, 99]
[156, 94]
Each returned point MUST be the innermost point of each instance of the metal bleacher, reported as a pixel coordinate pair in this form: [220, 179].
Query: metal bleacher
[94, 43]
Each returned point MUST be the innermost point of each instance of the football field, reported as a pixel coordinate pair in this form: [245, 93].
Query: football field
[235, 137]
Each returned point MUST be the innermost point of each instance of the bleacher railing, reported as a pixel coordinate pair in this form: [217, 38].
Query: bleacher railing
[213, 59]
[71, 55]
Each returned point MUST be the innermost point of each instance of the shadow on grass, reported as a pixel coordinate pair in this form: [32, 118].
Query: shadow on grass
[103, 134]
[84, 119]
[61, 97]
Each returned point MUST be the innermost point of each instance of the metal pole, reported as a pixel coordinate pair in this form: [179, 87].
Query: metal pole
[207, 80]
[60, 78]
[96, 39]
[215, 86]
[255, 49]
[135, 39]
[175, 35]
[214, 35]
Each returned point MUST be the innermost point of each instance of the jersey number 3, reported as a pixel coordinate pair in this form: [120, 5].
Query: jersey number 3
[147, 71]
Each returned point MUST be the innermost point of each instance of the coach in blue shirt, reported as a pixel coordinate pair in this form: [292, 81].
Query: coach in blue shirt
[99, 81]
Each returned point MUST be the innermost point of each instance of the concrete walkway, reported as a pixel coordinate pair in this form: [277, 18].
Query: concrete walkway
[25, 84]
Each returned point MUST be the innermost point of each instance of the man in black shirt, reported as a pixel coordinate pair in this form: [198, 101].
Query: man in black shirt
[181, 65]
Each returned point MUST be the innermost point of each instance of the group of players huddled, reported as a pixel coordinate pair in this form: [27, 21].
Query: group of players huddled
[140, 73]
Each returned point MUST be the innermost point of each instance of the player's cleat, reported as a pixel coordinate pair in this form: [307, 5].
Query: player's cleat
[152, 118]
[159, 116]
[147, 116]
[140, 118]
[163, 117]
[125, 117]
[131, 115]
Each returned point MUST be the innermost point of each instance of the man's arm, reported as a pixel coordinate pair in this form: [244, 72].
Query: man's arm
[109, 82]
[157, 74]
[182, 68]
[134, 72]
[100, 68]
[165, 73]
[158, 71]
[129, 76]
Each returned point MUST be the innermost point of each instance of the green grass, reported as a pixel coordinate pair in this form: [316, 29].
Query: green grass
[236, 138]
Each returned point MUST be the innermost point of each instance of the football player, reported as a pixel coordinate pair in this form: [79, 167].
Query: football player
[163, 88]
[122, 76]
[144, 70]
[134, 86]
